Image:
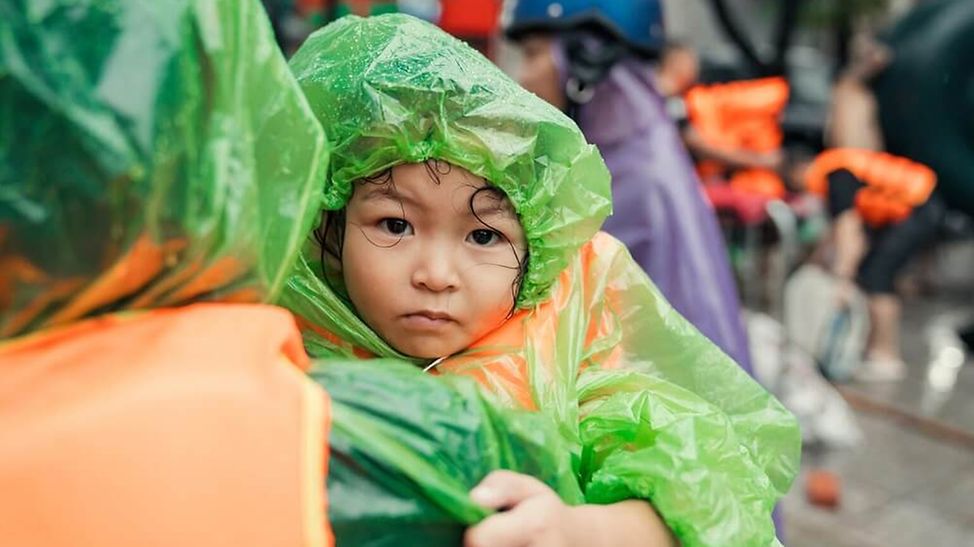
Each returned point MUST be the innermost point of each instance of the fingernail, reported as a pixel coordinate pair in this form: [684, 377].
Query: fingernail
[483, 495]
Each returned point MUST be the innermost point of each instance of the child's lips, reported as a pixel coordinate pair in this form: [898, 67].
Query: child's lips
[428, 320]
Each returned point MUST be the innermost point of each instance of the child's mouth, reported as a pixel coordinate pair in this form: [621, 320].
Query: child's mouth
[427, 320]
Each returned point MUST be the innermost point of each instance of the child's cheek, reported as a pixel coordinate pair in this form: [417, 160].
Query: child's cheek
[369, 266]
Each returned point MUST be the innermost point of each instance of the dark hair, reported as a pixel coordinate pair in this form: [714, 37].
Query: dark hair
[330, 234]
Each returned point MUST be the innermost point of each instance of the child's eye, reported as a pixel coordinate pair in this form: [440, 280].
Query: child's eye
[396, 226]
[484, 237]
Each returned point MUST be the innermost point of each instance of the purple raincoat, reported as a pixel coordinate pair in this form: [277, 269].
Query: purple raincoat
[660, 211]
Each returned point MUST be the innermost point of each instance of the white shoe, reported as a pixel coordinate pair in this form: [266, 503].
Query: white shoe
[880, 369]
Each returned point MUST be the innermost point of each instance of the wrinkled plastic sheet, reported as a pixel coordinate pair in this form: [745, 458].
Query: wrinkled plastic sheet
[402, 466]
[150, 154]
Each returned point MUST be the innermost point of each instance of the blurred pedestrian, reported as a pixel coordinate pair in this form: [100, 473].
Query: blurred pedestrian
[594, 60]
[677, 73]
[882, 207]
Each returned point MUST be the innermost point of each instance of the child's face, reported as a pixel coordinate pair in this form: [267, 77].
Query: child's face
[421, 268]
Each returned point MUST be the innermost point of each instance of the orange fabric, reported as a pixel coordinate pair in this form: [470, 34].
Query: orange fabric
[189, 426]
[894, 185]
[741, 116]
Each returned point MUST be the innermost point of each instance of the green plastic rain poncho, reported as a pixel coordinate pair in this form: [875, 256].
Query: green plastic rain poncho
[647, 407]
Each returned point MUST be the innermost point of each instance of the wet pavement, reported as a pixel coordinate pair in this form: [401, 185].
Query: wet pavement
[900, 488]
[911, 481]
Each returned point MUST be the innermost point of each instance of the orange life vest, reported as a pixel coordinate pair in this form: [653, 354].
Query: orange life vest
[894, 185]
[745, 116]
[183, 426]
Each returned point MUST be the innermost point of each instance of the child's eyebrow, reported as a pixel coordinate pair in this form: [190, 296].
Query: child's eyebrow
[495, 211]
[494, 204]
[386, 192]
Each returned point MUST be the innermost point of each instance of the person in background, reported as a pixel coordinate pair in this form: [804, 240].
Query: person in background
[677, 72]
[678, 69]
[593, 60]
[873, 236]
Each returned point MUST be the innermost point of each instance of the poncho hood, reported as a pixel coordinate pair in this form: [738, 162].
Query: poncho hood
[393, 89]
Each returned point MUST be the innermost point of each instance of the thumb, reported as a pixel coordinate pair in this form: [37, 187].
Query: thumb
[503, 489]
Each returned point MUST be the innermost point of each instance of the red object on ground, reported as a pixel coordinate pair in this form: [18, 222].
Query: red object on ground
[823, 488]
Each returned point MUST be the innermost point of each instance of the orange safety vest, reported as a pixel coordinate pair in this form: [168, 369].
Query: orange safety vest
[894, 185]
[741, 115]
[182, 426]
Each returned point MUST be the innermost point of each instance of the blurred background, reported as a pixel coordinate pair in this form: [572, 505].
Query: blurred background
[830, 146]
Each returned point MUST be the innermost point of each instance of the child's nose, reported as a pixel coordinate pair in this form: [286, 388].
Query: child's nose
[436, 272]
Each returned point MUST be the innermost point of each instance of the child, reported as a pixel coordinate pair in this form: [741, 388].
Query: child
[461, 233]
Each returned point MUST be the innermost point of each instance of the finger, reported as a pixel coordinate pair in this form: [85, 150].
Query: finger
[516, 528]
[502, 489]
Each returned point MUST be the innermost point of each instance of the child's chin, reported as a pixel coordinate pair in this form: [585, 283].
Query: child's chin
[428, 350]
[430, 354]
